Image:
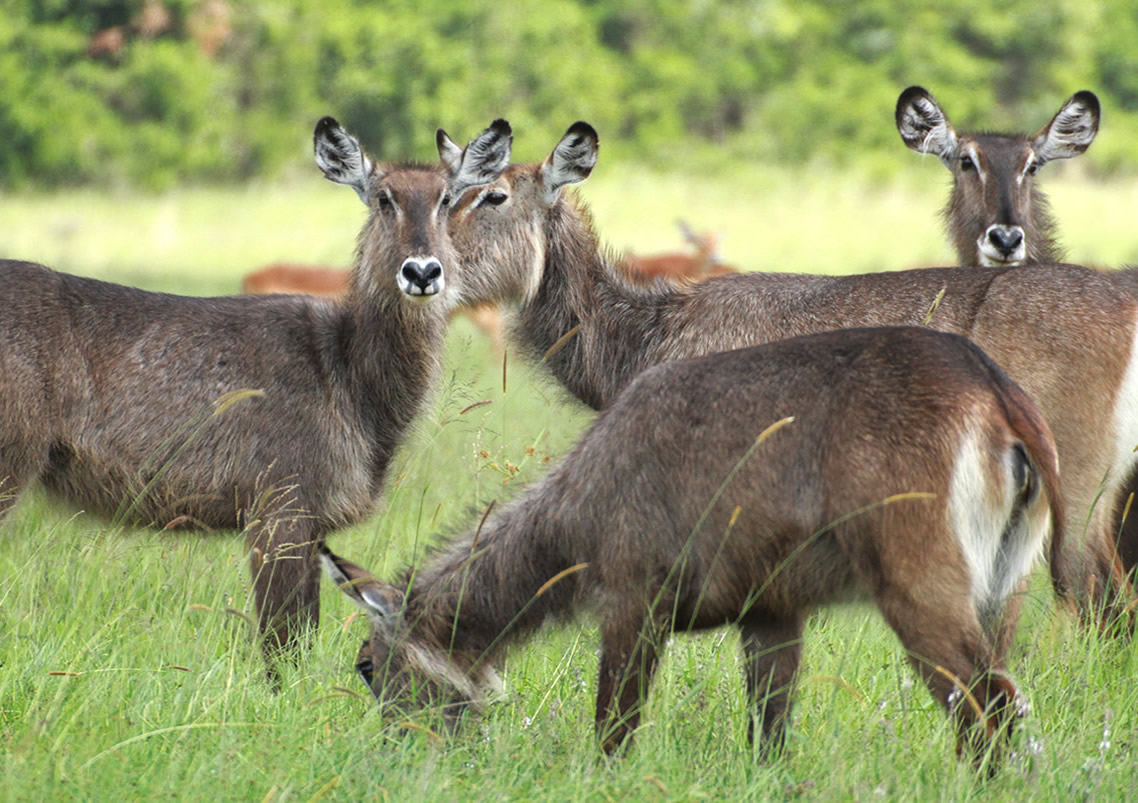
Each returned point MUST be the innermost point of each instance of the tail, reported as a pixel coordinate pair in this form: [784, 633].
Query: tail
[1036, 469]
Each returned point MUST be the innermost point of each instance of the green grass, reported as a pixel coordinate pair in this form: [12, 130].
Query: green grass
[128, 667]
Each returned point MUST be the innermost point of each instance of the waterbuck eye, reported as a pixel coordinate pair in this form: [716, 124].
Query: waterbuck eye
[966, 163]
[445, 202]
[494, 198]
[1032, 168]
[384, 200]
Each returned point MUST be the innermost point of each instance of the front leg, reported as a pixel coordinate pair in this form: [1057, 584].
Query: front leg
[284, 560]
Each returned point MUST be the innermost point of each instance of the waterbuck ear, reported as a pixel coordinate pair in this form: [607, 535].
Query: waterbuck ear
[449, 151]
[1071, 131]
[923, 126]
[379, 600]
[480, 162]
[340, 156]
[571, 161]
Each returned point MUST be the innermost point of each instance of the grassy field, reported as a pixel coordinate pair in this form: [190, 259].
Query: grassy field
[128, 664]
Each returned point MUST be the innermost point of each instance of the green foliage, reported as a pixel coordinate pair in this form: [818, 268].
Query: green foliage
[225, 90]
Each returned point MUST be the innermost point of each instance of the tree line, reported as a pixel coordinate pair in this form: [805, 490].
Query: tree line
[151, 93]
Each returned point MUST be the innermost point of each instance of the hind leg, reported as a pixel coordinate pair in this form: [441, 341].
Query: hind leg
[946, 645]
[1092, 571]
[772, 649]
[630, 645]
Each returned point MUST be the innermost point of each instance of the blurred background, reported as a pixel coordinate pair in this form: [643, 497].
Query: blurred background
[767, 121]
[151, 93]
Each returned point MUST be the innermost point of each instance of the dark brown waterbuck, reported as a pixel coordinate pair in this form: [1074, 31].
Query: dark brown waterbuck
[747, 488]
[997, 215]
[1065, 333]
[276, 415]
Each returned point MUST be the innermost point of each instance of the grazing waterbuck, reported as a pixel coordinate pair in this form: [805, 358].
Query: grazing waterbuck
[277, 415]
[1065, 333]
[997, 215]
[747, 488]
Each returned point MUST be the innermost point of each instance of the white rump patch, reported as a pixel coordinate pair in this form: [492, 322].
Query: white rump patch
[1126, 417]
[980, 508]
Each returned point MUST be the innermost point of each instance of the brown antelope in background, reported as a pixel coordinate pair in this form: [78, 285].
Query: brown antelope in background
[908, 470]
[273, 414]
[289, 277]
[1065, 333]
[680, 266]
[997, 215]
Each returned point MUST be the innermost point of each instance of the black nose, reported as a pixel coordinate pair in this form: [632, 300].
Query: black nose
[422, 273]
[1006, 239]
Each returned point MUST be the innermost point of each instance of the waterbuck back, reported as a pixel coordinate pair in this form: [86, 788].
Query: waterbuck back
[272, 414]
[747, 488]
[997, 214]
[1064, 333]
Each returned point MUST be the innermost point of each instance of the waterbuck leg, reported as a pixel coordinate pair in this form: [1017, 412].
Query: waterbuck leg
[630, 645]
[772, 649]
[10, 491]
[20, 462]
[946, 645]
[286, 584]
[1109, 590]
[1005, 630]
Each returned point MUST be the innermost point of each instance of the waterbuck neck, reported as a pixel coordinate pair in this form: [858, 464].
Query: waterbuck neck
[492, 587]
[590, 325]
[391, 351]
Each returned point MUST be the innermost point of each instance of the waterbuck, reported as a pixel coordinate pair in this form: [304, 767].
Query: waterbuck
[277, 415]
[1065, 333]
[997, 215]
[681, 266]
[747, 488]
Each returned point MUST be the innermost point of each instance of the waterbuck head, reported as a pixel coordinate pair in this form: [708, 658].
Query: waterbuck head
[499, 231]
[996, 214]
[408, 205]
[406, 659]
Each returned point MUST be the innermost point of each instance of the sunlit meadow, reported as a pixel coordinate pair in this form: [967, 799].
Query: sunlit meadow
[129, 669]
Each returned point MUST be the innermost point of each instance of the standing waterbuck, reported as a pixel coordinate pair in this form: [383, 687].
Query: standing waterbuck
[996, 214]
[747, 488]
[273, 414]
[1066, 334]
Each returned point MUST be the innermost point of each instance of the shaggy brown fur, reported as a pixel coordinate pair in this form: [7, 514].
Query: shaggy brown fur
[1065, 333]
[913, 473]
[277, 415]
